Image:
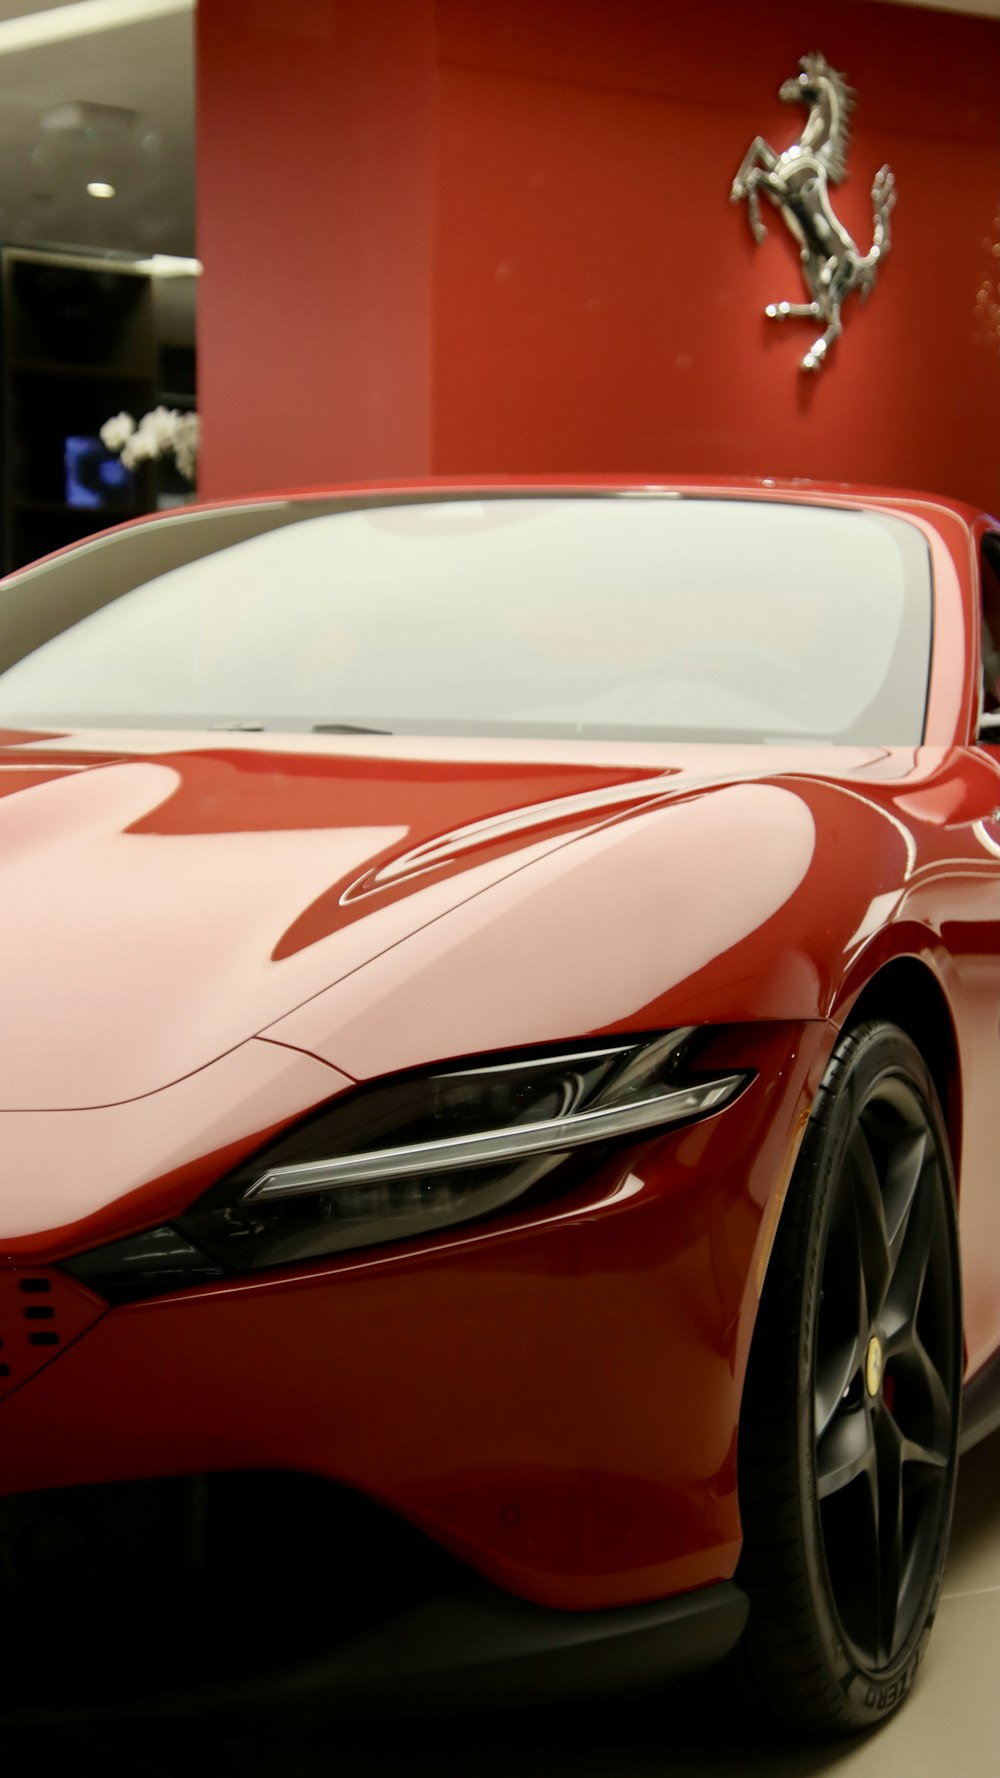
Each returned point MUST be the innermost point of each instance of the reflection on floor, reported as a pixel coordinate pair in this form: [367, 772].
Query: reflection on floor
[949, 1728]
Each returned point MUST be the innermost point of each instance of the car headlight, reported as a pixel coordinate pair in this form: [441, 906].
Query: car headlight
[423, 1152]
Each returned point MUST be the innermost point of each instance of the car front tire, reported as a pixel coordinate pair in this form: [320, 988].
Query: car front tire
[849, 1426]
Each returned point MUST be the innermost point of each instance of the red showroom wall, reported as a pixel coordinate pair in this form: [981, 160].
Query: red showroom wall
[492, 236]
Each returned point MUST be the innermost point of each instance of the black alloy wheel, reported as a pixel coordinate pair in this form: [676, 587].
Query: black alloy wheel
[849, 1426]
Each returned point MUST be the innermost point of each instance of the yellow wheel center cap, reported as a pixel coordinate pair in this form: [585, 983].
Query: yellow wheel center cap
[873, 1366]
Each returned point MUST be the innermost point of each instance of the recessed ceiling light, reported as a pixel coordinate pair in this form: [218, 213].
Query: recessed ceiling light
[99, 188]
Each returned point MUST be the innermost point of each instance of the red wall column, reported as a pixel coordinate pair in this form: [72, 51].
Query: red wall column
[495, 236]
[314, 217]
[599, 303]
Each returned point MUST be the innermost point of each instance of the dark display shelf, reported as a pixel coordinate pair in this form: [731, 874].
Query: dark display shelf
[58, 368]
[62, 506]
[78, 346]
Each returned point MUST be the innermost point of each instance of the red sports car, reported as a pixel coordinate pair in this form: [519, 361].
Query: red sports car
[500, 1003]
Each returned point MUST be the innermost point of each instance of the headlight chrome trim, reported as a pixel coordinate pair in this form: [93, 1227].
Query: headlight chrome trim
[515, 1142]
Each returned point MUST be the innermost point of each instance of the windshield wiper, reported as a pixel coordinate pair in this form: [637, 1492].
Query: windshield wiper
[250, 726]
[346, 728]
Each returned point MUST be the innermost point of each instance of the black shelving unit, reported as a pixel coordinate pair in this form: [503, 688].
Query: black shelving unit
[78, 345]
[177, 371]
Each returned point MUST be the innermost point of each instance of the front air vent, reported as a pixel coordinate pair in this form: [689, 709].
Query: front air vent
[41, 1314]
[35, 1311]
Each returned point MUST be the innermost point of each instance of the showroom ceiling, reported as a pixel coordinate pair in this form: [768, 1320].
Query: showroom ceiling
[111, 104]
[99, 101]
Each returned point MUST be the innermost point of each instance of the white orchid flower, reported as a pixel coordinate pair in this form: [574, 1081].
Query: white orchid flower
[160, 433]
[116, 432]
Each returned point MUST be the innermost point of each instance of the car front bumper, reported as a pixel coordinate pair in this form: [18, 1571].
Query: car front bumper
[552, 1397]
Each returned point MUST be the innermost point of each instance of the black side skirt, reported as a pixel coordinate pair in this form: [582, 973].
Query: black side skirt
[468, 1650]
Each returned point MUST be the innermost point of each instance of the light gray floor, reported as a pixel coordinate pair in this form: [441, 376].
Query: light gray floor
[949, 1727]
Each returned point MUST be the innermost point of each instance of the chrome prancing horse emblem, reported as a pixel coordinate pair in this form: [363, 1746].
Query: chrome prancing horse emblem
[797, 181]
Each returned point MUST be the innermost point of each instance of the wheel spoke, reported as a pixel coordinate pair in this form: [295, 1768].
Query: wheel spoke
[904, 1177]
[844, 1301]
[922, 1408]
[911, 1256]
[889, 1529]
[834, 1375]
[846, 1451]
[927, 1456]
[873, 1235]
[937, 1393]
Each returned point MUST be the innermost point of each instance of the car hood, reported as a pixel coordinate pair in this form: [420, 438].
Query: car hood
[165, 899]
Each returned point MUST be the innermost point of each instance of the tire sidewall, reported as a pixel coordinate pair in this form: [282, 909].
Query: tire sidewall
[880, 1052]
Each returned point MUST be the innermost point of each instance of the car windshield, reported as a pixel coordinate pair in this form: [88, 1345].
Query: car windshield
[649, 616]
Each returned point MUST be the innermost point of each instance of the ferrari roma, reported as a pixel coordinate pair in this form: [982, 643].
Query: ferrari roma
[499, 1057]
